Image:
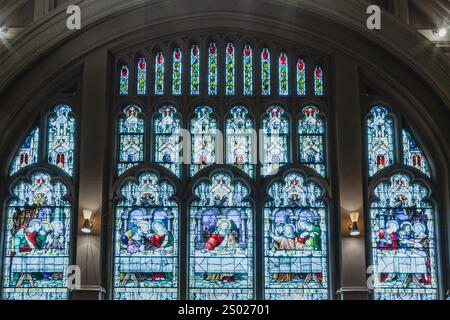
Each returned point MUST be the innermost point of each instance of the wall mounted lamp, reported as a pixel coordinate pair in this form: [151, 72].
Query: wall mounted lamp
[87, 225]
[354, 230]
[440, 33]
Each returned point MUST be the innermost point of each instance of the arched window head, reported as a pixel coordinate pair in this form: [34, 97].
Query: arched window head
[296, 241]
[248, 70]
[203, 138]
[38, 229]
[380, 139]
[212, 69]
[27, 154]
[413, 155]
[241, 140]
[266, 88]
[61, 138]
[311, 132]
[276, 140]
[160, 64]
[221, 241]
[230, 71]
[146, 241]
[167, 139]
[195, 70]
[283, 74]
[177, 71]
[141, 76]
[403, 241]
[131, 138]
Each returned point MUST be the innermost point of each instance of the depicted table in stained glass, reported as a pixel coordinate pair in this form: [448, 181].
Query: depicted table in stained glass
[41, 264]
[153, 264]
[295, 264]
[402, 264]
[221, 264]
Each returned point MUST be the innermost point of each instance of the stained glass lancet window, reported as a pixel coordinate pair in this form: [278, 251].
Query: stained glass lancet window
[131, 139]
[27, 155]
[283, 74]
[248, 70]
[159, 73]
[203, 133]
[230, 69]
[403, 241]
[301, 77]
[146, 241]
[61, 138]
[241, 140]
[276, 140]
[212, 69]
[142, 76]
[177, 68]
[318, 81]
[380, 138]
[195, 70]
[311, 132]
[295, 241]
[167, 139]
[38, 229]
[412, 154]
[124, 80]
[221, 241]
[265, 72]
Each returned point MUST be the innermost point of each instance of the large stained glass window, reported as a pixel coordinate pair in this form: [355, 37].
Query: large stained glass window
[295, 241]
[412, 154]
[61, 138]
[38, 227]
[146, 241]
[131, 138]
[248, 70]
[403, 241]
[124, 80]
[167, 139]
[380, 135]
[311, 132]
[212, 69]
[159, 73]
[265, 72]
[203, 139]
[27, 154]
[195, 70]
[221, 241]
[276, 140]
[283, 74]
[230, 70]
[241, 140]
[318, 81]
[141, 76]
[177, 68]
[301, 77]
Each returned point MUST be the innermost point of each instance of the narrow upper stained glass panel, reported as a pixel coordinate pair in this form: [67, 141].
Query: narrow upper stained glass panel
[311, 132]
[159, 73]
[283, 74]
[131, 139]
[177, 70]
[296, 241]
[221, 241]
[413, 155]
[380, 140]
[167, 139]
[38, 233]
[318, 81]
[61, 138]
[124, 81]
[28, 153]
[142, 76]
[276, 140]
[404, 256]
[248, 70]
[230, 70]
[301, 77]
[212, 70]
[146, 241]
[195, 70]
[265, 72]
[241, 140]
[203, 138]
